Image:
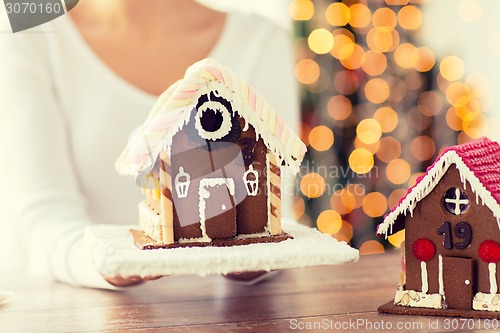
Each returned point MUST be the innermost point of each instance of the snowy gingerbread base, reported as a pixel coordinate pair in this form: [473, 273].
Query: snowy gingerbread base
[391, 308]
[420, 299]
[115, 254]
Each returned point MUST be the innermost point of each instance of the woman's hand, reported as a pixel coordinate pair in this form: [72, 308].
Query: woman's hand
[251, 277]
[129, 281]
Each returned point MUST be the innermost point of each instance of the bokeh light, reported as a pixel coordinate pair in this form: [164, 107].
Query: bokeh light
[470, 11]
[343, 44]
[369, 131]
[339, 107]
[387, 118]
[384, 17]
[397, 238]
[397, 89]
[404, 55]
[377, 90]
[374, 204]
[458, 94]
[361, 161]
[352, 196]
[375, 63]
[329, 222]
[390, 149]
[397, 2]
[475, 125]
[360, 15]
[452, 119]
[313, 185]
[307, 71]
[398, 171]
[430, 103]
[423, 148]
[337, 204]
[424, 59]
[371, 247]
[346, 82]
[320, 41]
[321, 138]
[298, 207]
[382, 39]
[452, 68]
[337, 14]
[356, 58]
[345, 233]
[371, 147]
[301, 10]
[409, 17]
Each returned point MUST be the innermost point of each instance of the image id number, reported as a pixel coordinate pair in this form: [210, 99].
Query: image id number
[33, 8]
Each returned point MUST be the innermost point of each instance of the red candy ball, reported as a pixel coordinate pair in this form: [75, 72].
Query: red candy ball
[489, 251]
[423, 249]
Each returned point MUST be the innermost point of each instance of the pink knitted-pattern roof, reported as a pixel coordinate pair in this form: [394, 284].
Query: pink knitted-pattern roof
[481, 156]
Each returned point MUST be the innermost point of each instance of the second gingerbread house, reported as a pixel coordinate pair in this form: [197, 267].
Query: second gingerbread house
[452, 237]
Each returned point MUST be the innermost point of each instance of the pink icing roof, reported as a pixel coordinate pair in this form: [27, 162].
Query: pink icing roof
[481, 157]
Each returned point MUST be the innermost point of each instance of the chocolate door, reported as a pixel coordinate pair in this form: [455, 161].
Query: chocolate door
[457, 279]
[219, 211]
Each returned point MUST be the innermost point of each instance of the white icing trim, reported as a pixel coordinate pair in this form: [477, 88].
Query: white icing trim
[457, 201]
[424, 276]
[492, 268]
[256, 235]
[252, 186]
[486, 302]
[205, 194]
[225, 127]
[429, 182]
[440, 276]
[182, 187]
[417, 299]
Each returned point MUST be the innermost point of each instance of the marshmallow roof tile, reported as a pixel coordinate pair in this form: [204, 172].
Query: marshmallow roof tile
[478, 163]
[174, 108]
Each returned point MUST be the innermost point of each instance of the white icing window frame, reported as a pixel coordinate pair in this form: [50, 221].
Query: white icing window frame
[225, 127]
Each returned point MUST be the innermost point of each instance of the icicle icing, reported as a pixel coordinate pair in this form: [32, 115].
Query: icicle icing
[434, 174]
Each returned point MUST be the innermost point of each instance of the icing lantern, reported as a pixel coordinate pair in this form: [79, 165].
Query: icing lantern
[489, 251]
[182, 181]
[251, 180]
[423, 249]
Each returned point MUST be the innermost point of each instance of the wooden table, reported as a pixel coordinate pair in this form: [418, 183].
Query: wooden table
[332, 296]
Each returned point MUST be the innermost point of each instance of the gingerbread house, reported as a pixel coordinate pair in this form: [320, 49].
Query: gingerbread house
[208, 160]
[451, 249]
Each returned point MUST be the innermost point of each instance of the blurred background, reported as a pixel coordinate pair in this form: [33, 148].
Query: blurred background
[386, 85]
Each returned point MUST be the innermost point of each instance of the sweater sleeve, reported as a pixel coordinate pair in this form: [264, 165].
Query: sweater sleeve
[39, 186]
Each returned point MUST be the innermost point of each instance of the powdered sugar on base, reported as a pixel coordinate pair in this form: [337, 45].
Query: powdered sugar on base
[114, 253]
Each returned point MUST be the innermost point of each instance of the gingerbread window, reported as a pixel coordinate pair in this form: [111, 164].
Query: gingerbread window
[213, 120]
[456, 201]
